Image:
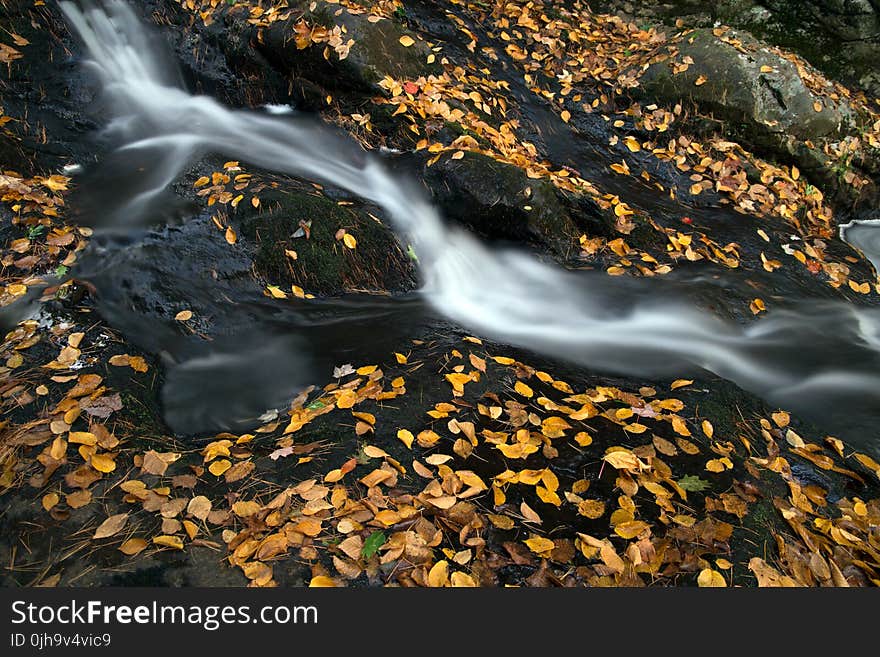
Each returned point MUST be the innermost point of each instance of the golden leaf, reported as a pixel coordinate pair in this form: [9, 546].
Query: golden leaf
[50, 500]
[102, 463]
[523, 389]
[540, 545]
[174, 542]
[630, 528]
[438, 576]
[133, 546]
[218, 467]
[710, 578]
[592, 509]
[322, 581]
[406, 437]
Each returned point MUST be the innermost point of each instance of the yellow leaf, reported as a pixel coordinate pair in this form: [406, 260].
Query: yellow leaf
[708, 429]
[276, 292]
[523, 389]
[183, 315]
[82, 438]
[460, 580]
[438, 576]
[218, 467]
[133, 546]
[680, 383]
[592, 509]
[50, 500]
[548, 496]
[781, 418]
[630, 529]
[102, 463]
[632, 144]
[231, 237]
[679, 426]
[164, 540]
[406, 41]
[401, 359]
[406, 437]
[349, 241]
[710, 578]
[715, 465]
[322, 581]
[700, 81]
[622, 460]
[565, 115]
[540, 545]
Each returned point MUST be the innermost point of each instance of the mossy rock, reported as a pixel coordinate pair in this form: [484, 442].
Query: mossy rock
[497, 200]
[324, 265]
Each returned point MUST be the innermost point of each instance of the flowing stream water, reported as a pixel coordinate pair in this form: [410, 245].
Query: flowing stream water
[820, 357]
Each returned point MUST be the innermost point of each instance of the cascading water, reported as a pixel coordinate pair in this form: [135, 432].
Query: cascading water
[826, 352]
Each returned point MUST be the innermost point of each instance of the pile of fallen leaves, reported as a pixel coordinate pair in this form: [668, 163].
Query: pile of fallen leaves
[513, 476]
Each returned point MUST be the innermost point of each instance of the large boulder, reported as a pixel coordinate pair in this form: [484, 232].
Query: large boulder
[497, 200]
[839, 37]
[764, 101]
[750, 85]
[363, 48]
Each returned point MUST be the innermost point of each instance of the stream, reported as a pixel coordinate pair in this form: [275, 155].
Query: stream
[815, 354]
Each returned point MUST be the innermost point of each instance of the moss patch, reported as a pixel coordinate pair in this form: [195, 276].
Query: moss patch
[324, 265]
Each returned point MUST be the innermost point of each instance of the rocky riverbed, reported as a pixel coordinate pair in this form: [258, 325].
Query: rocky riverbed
[247, 389]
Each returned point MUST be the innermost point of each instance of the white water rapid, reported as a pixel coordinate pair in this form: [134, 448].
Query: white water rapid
[788, 357]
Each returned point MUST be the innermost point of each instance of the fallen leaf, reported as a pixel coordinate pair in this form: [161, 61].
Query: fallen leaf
[111, 526]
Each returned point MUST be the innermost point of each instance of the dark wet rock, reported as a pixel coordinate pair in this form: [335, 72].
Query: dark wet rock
[376, 51]
[498, 200]
[840, 37]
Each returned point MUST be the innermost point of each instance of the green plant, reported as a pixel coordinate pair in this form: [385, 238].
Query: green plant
[693, 483]
[372, 544]
[35, 231]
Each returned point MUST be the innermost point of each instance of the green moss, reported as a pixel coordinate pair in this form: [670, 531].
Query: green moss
[324, 264]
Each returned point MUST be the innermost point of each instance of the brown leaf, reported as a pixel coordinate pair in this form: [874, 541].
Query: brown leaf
[111, 526]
